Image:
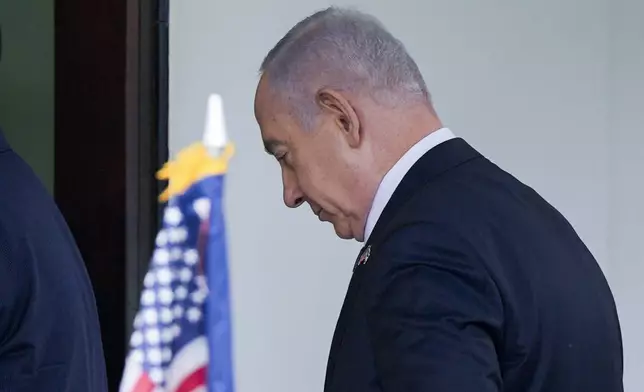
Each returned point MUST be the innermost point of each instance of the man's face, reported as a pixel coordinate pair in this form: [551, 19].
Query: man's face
[316, 164]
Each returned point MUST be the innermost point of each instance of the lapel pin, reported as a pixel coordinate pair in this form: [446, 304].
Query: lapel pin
[364, 257]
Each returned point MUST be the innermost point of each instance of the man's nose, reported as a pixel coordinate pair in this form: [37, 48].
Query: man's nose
[293, 196]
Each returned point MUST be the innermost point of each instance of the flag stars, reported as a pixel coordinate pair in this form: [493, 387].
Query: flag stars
[138, 321]
[137, 356]
[136, 339]
[148, 297]
[200, 280]
[149, 280]
[172, 216]
[152, 336]
[164, 276]
[191, 257]
[166, 354]
[166, 315]
[156, 375]
[150, 316]
[177, 235]
[178, 311]
[193, 314]
[181, 293]
[165, 296]
[154, 355]
[185, 275]
[175, 291]
[176, 254]
[167, 335]
[198, 296]
[161, 256]
[162, 238]
[202, 208]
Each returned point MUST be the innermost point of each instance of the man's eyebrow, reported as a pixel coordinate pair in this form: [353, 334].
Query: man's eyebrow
[270, 145]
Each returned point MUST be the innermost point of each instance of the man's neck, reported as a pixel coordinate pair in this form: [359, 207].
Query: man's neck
[408, 128]
[393, 133]
[392, 178]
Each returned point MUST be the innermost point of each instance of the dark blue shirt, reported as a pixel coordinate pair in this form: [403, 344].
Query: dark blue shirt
[49, 330]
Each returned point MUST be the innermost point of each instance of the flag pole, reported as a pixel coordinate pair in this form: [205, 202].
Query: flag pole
[215, 137]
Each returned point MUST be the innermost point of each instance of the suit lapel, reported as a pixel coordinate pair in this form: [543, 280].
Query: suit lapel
[347, 307]
[434, 163]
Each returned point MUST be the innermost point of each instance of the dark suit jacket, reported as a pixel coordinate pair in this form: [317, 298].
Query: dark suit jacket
[474, 283]
[49, 331]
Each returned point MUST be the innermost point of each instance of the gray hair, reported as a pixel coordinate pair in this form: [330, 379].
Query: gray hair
[346, 50]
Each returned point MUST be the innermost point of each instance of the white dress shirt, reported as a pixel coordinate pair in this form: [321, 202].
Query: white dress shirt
[395, 175]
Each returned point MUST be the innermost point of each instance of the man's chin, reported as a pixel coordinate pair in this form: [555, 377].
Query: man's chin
[343, 232]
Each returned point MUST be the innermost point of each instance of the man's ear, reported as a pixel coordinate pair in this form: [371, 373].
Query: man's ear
[346, 118]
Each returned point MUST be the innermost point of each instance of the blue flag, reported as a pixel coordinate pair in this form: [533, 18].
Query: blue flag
[182, 339]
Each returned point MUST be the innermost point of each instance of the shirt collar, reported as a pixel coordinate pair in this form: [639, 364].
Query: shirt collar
[394, 176]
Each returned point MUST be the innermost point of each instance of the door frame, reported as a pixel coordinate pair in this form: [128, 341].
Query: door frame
[110, 138]
[146, 136]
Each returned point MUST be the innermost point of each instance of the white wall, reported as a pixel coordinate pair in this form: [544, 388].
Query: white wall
[626, 135]
[528, 83]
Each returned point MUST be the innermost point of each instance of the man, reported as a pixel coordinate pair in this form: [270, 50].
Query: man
[49, 331]
[469, 281]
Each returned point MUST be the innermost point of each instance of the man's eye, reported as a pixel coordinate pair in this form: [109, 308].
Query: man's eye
[281, 157]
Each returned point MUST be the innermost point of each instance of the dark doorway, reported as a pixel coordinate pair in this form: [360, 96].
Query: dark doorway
[110, 138]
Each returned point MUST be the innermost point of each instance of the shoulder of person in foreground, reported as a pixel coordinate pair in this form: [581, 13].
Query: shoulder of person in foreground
[436, 313]
[15, 281]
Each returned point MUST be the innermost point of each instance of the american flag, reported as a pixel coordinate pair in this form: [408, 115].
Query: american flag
[181, 340]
